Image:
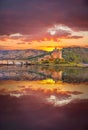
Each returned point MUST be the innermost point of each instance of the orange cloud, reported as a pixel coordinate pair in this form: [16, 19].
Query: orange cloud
[57, 36]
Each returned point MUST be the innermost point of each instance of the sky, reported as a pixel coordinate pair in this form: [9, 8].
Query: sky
[43, 24]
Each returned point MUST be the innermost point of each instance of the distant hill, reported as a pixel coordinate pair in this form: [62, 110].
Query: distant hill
[76, 54]
[20, 54]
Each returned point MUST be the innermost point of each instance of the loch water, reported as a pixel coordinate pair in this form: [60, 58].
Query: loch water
[43, 98]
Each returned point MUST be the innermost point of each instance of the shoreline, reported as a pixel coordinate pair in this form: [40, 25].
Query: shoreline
[54, 65]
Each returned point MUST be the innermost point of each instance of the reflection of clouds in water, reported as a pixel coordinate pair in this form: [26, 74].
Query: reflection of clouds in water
[29, 113]
[63, 100]
[16, 95]
[46, 91]
[54, 97]
[58, 102]
[59, 99]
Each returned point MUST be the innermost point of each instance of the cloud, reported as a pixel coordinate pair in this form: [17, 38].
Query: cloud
[58, 28]
[55, 33]
[86, 2]
[60, 32]
[75, 37]
[35, 16]
[2, 47]
[20, 43]
[15, 35]
[43, 20]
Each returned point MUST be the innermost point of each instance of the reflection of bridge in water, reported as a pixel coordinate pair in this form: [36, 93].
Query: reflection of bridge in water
[15, 62]
[28, 73]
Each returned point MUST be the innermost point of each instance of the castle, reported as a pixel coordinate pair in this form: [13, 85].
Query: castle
[57, 53]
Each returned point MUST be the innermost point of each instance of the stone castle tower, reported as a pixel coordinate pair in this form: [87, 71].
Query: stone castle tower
[57, 53]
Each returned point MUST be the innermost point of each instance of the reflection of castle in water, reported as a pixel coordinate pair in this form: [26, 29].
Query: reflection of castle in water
[29, 73]
[57, 76]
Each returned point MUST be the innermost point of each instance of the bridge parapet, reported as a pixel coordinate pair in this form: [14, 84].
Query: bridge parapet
[15, 62]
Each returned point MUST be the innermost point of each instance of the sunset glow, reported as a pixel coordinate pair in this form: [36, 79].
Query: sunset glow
[46, 29]
[19, 41]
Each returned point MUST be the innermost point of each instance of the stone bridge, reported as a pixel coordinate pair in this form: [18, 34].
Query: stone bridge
[15, 62]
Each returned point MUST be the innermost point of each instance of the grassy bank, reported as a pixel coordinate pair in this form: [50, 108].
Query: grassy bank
[63, 64]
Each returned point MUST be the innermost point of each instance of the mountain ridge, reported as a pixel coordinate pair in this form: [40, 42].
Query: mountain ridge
[19, 54]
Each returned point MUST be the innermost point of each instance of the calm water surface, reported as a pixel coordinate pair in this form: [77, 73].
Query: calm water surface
[43, 98]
